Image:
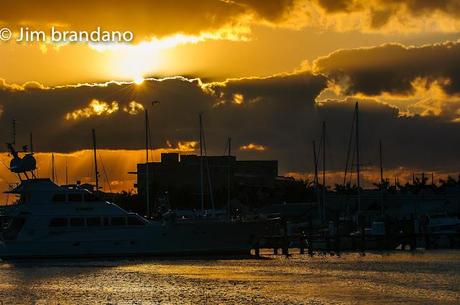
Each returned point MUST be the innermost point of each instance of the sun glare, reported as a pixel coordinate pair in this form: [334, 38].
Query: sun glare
[138, 80]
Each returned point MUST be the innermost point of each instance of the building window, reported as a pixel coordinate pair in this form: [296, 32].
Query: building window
[106, 221]
[118, 221]
[58, 222]
[135, 221]
[74, 197]
[93, 221]
[77, 222]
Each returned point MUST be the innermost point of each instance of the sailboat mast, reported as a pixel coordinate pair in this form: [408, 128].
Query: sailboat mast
[96, 172]
[382, 189]
[358, 178]
[324, 170]
[315, 164]
[229, 176]
[13, 142]
[201, 163]
[31, 143]
[381, 161]
[66, 173]
[229, 146]
[53, 173]
[147, 183]
[315, 161]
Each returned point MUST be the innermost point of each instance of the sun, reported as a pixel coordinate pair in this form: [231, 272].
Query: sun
[138, 80]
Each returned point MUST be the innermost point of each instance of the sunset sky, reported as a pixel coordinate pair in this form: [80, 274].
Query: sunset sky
[264, 72]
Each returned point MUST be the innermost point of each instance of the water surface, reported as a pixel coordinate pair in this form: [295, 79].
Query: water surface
[431, 277]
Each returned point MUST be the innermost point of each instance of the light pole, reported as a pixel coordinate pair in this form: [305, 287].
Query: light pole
[147, 147]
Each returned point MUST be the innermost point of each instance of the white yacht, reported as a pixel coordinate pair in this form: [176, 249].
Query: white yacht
[48, 220]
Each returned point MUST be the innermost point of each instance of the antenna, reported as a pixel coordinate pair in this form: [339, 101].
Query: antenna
[96, 172]
[13, 142]
[31, 144]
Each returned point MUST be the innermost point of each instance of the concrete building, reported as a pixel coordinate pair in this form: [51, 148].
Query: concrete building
[176, 179]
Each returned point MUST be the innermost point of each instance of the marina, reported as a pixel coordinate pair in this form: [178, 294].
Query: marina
[230, 152]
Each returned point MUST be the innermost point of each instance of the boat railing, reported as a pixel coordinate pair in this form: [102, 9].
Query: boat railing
[4, 209]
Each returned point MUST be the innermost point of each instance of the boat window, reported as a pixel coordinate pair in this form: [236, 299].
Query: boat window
[118, 221]
[5, 222]
[24, 198]
[77, 222]
[93, 221]
[135, 221]
[90, 197]
[74, 197]
[59, 198]
[58, 222]
[14, 228]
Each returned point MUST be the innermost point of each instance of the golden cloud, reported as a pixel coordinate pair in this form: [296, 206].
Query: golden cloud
[187, 146]
[253, 147]
[95, 108]
[133, 108]
[238, 98]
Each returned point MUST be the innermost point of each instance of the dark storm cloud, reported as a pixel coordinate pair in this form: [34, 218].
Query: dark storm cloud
[272, 106]
[274, 112]
[277, 112]
[392, 68]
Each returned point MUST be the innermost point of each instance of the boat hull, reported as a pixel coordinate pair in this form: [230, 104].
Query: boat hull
[173, 239]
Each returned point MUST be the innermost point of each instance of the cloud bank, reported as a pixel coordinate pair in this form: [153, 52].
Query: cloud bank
[274, 117]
